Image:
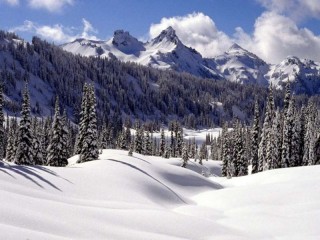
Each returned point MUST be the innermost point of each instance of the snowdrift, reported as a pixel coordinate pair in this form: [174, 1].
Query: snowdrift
[141, 197]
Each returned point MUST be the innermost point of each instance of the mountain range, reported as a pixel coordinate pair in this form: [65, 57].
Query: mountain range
[167, 51]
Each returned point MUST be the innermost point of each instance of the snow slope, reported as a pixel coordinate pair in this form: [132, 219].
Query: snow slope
[140, 197]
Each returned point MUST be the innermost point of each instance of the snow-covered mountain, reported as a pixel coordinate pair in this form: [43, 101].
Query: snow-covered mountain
[164, 52]
[237, 64]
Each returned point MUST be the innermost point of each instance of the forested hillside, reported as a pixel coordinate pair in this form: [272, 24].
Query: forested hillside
[122, 89]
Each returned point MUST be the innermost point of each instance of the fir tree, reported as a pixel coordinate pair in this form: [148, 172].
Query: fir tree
[83, 123]
[225, 150]
[287, 142]
[255, 139]
[37, 144]
[90, 149]
[56, 156]
[11, 144]
[24, 151]
[162, 143]
[264, 144]
[2, 132]
[139, 140]
[185, 156]
[147, 147]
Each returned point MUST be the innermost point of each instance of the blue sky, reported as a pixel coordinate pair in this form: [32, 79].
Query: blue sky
[212, 24]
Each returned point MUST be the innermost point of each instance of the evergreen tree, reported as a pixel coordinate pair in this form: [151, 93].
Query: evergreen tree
[287, 142]
[264, 144]
[90, 149]
[83, 123]
[162, 143]
[185, 155]
[56, 156]
[2, 132]
[11, 145]
[225, 150]
[139, 140]
[37, 144]
[255, 139]
[179, 143]
[130, 153]
[147, 147]
[24, 151]
[317, 151]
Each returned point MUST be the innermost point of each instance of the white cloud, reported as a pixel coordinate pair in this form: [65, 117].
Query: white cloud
[57, 33]
[274, 37]
[195, 30]
[50, 5]
[295, 9]
[11, 2]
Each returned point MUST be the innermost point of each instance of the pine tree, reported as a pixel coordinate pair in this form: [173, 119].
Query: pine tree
[24, 151]
[130, 153]
[275, 143]
[179, 143]
[56, 156]
[36, 143]
[162, 143]
[264, 145]
[83, 123]
[90, 149]
[147, 146]
[225, 150]
[317, 151]
[286, 160]
[139, 140]
[2, 132]
[185, 156]
[255, 139]
[242, 163]
[11, 144]
[65, 137]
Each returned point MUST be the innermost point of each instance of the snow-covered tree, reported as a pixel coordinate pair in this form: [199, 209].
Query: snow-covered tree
[56, 155]
[147, 146]
[2, 132]
[162, 143]
[185, 155]
[288, 125]
[90, 149]
[24, 151]
[264, 144]
[255, 139]
[83, 123]
[11, 144]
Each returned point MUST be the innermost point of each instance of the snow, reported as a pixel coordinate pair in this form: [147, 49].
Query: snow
[144, 197]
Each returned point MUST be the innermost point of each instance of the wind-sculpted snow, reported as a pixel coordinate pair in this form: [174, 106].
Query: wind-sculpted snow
[144, 197]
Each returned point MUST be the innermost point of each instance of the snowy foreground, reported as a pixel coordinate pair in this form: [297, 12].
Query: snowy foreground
[140, 197]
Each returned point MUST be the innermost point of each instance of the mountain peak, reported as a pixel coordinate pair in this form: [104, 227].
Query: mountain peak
[121, 37]
[236, 48]
[169, 34]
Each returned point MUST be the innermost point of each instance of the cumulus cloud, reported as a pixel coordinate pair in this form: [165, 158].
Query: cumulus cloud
[10, 2]
[50, 5]
[295, 9]
[57, 33]
[274, 37]
[195, 30]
